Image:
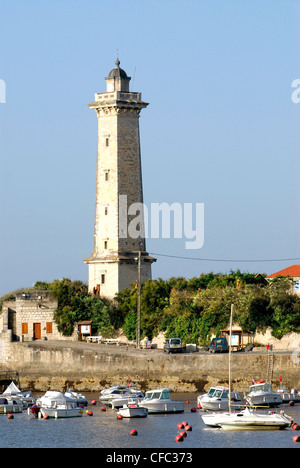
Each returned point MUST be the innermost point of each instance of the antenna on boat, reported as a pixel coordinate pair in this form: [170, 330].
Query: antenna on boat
[230, 380]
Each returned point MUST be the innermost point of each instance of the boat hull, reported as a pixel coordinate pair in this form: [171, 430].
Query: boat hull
[163, 408]
[58, 413]
[133, 412]
[6, 409]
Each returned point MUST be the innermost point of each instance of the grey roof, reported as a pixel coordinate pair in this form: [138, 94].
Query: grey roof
[118, 72]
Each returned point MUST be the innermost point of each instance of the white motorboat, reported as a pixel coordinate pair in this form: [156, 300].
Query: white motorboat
[119, 392]
[133, 410]
[286, 396]
[159, 401]
[124, 399]
[10, 404]
[26, 397]
[57, 405]
[78, 397]
[247, 420]
[217, 399]
[261, 394]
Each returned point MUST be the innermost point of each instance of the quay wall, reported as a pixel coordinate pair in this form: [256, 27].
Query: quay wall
[90, 367]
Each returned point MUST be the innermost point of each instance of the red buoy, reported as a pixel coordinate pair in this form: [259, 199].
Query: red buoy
[291, 403]
[193, 410]
[10, 416]
[296, 438]
[119, 416]
[184, 423]
[179, 438]
[296, 427]
[188, 428]
[199, 406]
[183, 434]
[45, 417]
[94, 402]
[180, 426]
[133, 432]
[89, 413]
[103, 408]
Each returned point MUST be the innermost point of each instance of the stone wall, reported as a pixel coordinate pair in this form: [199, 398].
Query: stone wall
[89, 367]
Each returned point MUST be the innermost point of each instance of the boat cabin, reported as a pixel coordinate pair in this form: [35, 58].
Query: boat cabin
[158, 394]
[261, 387]
[218, 392]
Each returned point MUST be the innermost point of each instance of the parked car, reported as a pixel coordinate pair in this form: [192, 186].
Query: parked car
[173, 345]
[218, 345]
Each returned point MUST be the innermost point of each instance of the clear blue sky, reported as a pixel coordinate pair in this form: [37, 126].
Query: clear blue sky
[220, 129]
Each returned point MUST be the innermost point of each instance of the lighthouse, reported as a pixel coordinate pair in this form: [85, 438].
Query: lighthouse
[119, 257]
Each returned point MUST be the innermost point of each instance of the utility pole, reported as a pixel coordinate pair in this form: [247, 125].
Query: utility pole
[138, 322]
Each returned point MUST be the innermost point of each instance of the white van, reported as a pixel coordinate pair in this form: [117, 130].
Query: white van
[173, 345]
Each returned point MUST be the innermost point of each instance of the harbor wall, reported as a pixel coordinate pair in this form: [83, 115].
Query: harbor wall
[90, 367]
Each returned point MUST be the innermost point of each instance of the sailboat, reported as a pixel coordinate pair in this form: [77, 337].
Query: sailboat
[246, 419]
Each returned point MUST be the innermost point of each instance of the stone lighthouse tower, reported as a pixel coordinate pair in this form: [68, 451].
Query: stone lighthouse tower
[119, 243]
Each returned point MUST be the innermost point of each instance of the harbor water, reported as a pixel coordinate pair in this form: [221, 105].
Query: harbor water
[104, 430]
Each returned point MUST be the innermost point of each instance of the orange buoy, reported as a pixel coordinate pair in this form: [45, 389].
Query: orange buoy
[133, 432]
[10, 416]
[199, 406]
[187, 402]
[296, 427]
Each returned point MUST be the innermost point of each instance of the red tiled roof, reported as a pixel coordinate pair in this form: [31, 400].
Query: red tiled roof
[292, 271]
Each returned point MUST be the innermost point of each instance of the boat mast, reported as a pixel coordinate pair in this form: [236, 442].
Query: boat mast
[230, 380]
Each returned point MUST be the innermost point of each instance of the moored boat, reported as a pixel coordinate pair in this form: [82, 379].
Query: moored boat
[287, 397]
[159, 401]
[26, 397]
[247, 420]
[217, 399]
[10, 405]
[261, 394]
[119, 394]
[57, 405]
[133, 410]
[78, 397]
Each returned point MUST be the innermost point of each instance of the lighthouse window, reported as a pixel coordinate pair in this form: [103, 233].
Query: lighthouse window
[106, 141]
[102, 279]
[106, 211]
[106, 176]
[105, 245]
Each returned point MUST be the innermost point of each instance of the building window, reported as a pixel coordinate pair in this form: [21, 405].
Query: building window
[296, 286]
[49, 328]
[105, 245]
[102, 279]
[106, 141]
[24, 328]
[106, 211]
[106, 176]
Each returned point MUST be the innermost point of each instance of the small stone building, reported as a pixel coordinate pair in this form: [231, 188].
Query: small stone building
[30, 317]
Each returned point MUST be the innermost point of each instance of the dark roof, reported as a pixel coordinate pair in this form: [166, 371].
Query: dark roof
[118, 72]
